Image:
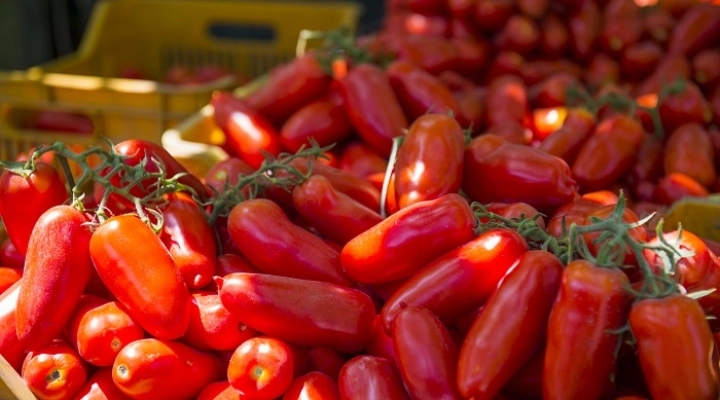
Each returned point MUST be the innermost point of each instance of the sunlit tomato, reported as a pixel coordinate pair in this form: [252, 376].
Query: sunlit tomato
[368, 377]
[54, 371]
[676, 186]
[212, 327]
[311, 386]
[261, 368]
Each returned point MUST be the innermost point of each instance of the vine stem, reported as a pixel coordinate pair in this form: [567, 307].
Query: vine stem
[397, 142]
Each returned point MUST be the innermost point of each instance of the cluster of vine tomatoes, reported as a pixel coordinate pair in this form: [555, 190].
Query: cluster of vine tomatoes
[413, 220]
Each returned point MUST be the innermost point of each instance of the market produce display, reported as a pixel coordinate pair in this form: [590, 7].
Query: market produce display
[466, 204]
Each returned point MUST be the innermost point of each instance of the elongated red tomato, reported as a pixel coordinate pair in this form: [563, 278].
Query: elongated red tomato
[361, 160]
[212, 327]
[289, 87]
[429, 163]
[304, 312]
[99, 329]
[689, 151]
[688, 105]
[335, 215]
[122, 249]
[54, 371]
[247, 133]
[368, 377]
[574, 212]
[658, 324]
[706, 67]
[313, 385]
[155, 369]
[676, 186]
[274, 245]
[221, 390]
[419, 92]
[323, 120]
[189, 239]
[101, 387]
[227, 173]
[461, 280]
[511, 327]
[553, 36]
[426, 355]
[34, 195]
[608, 153]
[567, 141]
[507, 96]
[498, 171]
[696, 30]
[580, 350]
[670, 68]
[584, 25]
[372, 107]
[648, 165]
[56, 271]
[10, 347]
[409, 239]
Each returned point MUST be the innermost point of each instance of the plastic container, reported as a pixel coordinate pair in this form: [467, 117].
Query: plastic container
[246, 38]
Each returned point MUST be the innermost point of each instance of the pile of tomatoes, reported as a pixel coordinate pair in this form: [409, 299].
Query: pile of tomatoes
[465, 205]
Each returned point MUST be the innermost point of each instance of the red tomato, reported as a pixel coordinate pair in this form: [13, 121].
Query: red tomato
[706, 67]
[220, 391]
[429, 162]
[659, 24]
[527, 382]
[323, 120]
[608, 153]
[567, 141]
[473, 54]
[334, 214]
[156, 369]
[621, 32]
[229, 263]
[505, 63]
[515, 173]
[649, 163]
[360, 160]
[554, 36]
[99, 329]
[580, 350]
[431, 53]
[552, 91]
[56, 271]
[289, 87]
[696, 30]
[472, 108]
[310, 313]
[573, 212]
[122, 248]
[311, 386]
[368, 377]
[247, 133]
[380, 344]
[512, 132]
[406, 241]
[54, 371]
[584, 26]
[715, 105]
[326, 360]
[670, 68]
[687, 106]
[508, 97]
[516, 210]
[419, 92]
[533, 8]
[534, 72]
[638, 233]
[227, 173]
[658, 324]
[640, 59]
[261, 368]
[34, 195]
[10, 256]
[8, 277]
[372, 107]
[676, 186]
[491, 15]
[520, 34]
[10, 347]
[497, 345]
[461, 280]
[602, 197]
[689, 151]
[273, 244]
[602, 70]
[426, 355]
[56, 121]
[100, 386]
[212, 327]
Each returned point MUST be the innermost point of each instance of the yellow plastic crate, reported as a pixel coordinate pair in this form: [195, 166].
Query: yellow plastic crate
[247, 37]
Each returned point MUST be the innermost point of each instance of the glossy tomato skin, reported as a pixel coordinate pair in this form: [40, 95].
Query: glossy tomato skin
[608, 153]
[372, 107]
[221, 390]
[689, 151]
[676, 186]
[696, 30]
[509, 99]
[10, 347]
[34, 195]
[658, 325]
[323, 120]
[687, 106]
[406, 241]
[335, 215]
[313, 385]
[498, 345]
[574, 212]
[157, 298]
[371, 378]
[99, 329]
[229, 263]
[304, 312]
[261, 367]
[498, 171]
[8, 277]
[227, 172]
[247, 133]
[567, 141]
[580, 350]
[155, 369]
[212, 327]
[57, 268]
[426, 354]
[419, 92]
[273, 244]
[54, 371]
[461, 280]
[360, 160]
[100, 386]
[189, 239]
[289, 87]
[429, 162]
